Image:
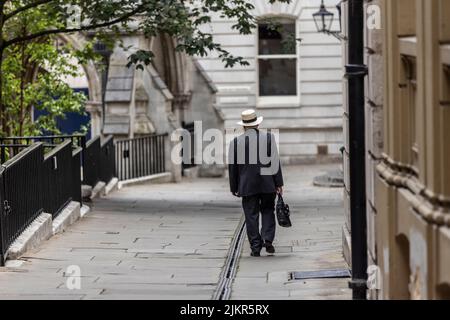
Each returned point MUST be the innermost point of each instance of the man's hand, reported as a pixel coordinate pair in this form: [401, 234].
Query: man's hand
[236, 194]
[280, 190]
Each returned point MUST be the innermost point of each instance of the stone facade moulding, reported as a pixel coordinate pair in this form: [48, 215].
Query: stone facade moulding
[429, 206]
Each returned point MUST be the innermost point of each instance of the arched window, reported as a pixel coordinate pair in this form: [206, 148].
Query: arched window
[277, 59]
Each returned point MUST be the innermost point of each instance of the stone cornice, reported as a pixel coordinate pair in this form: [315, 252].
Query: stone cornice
[432, 207]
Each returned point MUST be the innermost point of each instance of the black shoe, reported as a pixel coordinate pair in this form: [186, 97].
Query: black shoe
[255, 254]
[269, 248]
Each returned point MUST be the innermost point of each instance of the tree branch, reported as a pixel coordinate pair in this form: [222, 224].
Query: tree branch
[2, 16]
[25, 7]
[69, 30]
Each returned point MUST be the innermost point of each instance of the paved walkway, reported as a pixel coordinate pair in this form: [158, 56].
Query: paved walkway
[313, 243]
[170, 242]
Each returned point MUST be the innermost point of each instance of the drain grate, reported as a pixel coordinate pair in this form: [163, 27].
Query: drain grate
[321, 274]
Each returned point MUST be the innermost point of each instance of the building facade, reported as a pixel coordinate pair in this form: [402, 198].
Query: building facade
[408, 153]
[294, 78]
[168, 94]
[412, 185]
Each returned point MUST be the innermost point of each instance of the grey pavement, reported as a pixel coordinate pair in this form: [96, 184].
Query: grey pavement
[314, 243]
[170, 241]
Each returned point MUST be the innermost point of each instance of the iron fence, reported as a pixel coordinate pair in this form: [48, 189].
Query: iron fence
[93, 152]
[22, 196]
[140, 157]
[99, 161]
[190, 128]
[45, 176]
[91, 163]
[107, 160]
[76, 175]
[2, 224]
[11, 146]
[58, 183]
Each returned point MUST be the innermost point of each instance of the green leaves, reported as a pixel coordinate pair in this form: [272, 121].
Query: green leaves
[47, 91]
[33, 68]
[139, 58]
[33, 76]
[180, 19]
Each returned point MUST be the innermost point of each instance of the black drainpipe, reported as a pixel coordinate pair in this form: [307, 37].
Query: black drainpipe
[355, 73]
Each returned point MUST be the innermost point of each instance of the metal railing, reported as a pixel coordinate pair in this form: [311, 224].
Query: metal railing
[107, 160]
[33, 182]
[11, 146]
[58, 180]
[140, 157]
[76, 175]
[22, 196]
[45, 176]
[99, 161]
[2, 216]
[190, 128]
[91, 163]
[93, 152]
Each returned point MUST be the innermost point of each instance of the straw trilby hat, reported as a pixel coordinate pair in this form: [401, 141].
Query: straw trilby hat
[250, 119]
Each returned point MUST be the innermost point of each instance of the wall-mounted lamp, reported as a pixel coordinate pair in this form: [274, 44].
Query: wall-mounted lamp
[324, 21]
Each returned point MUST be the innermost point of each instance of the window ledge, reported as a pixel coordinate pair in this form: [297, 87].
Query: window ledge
[278, 101]
[278, 106]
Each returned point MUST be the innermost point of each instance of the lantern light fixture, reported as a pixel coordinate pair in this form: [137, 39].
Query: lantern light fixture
[324, 21]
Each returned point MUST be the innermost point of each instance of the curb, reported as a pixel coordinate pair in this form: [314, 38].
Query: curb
[112, 186]
[44, 226]
[84, 211]
[40, 229]
[191, 173]
[156, 179]
[70, 214]
[98, 190]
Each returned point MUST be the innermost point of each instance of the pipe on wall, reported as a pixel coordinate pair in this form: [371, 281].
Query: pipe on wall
[355, 73]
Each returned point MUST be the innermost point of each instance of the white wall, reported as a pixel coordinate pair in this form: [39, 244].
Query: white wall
[319, 109]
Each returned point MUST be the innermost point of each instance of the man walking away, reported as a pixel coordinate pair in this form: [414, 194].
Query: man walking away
[256, 176]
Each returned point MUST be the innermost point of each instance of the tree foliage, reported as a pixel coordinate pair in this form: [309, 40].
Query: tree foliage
[32, 68]
[33, 76]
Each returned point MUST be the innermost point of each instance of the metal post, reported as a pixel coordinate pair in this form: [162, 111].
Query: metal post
[2, 199]
[83, 156]
[355, 73]
[3, 154]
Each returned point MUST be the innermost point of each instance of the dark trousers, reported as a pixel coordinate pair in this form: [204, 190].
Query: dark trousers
[253, 206]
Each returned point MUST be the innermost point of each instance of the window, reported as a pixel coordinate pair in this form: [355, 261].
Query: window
[277, 59]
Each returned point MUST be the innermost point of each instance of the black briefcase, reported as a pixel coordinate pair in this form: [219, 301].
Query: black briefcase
[283, 213]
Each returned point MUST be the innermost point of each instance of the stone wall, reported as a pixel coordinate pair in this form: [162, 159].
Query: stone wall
[374, 127]
[408, 174]
[311, 124]
[141, 102]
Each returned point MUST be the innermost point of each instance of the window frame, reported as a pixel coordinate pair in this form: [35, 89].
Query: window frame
[270, 101]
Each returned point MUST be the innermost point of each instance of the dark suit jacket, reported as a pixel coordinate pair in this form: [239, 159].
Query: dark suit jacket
[253, 170]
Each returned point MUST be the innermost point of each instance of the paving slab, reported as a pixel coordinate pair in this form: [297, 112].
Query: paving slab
[170, 241]
[142, 242]
[313, 243]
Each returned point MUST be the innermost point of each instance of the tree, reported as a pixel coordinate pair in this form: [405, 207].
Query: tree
[33, 76]
[28, 24]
